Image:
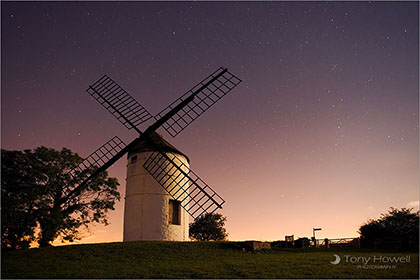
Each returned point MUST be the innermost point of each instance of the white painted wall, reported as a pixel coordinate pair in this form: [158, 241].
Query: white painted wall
[146, 211]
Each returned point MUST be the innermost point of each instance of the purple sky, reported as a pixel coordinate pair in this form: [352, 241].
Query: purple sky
[322, 132]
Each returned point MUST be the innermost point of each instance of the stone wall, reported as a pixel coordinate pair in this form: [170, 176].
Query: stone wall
[146, 210]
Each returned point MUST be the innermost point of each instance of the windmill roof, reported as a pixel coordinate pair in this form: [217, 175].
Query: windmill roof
[157, 142]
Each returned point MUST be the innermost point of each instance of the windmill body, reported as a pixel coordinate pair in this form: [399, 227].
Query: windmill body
[162, 191]
[150, 212]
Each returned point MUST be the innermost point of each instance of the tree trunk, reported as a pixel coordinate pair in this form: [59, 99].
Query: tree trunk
[45, 238]
[48, 233]
[49, 223]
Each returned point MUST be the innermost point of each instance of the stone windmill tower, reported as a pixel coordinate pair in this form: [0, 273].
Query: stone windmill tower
[161, 189]
[150, 212]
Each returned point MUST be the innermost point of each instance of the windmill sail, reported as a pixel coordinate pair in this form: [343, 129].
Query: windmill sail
[95, 160]
[206, 94]
[118, 102]
[195, 196]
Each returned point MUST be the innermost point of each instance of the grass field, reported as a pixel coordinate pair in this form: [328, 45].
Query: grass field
[197, 260]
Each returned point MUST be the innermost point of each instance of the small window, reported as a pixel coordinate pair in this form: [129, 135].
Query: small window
[133, 159]
[174, 212]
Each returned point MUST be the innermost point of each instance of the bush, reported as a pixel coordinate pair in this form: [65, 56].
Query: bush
[397, 228]
[208, 227]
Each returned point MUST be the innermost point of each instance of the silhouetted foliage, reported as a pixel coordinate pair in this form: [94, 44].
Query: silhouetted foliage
[34, 194]
[208, 227]
[17, 201]
[399, 225]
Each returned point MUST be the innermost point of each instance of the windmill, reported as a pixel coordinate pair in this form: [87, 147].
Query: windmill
[151, 212]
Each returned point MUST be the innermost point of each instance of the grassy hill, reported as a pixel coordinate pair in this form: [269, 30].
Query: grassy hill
[194, 260]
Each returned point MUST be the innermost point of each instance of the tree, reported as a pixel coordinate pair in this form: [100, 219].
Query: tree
[17, 201]
[401, 225]
[59, 209]
[208, 227]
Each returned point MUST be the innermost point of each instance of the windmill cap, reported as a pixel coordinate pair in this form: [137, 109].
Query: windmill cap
[157, 142]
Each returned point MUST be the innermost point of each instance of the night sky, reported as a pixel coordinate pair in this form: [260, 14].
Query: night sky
[322, 132]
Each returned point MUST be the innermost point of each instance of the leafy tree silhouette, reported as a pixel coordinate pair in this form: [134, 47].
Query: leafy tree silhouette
[35, 193]
[208, 227]
[398, 224]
